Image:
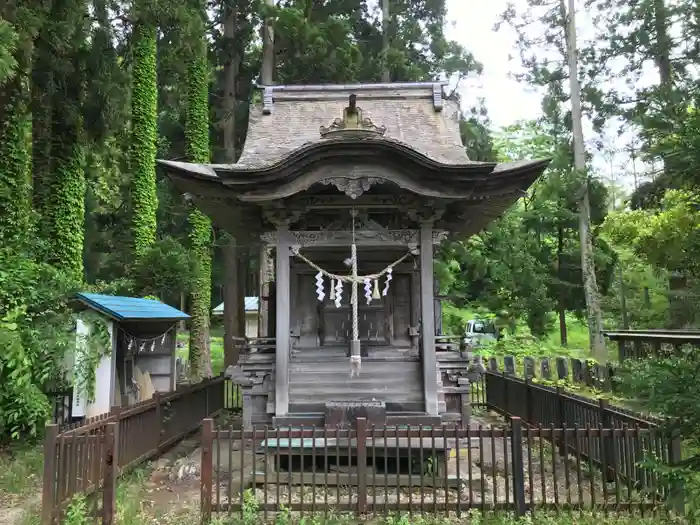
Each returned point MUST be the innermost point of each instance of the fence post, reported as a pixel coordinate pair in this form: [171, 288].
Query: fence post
[528, 401]
[621, 350]
[111, 462]
[516, 451]
[159, 419]
[560, 418]
[465, 404]
[206, 401]
[504, 382]
[677, 488]
[361, 426]
[607, 444]
[49, 486]
[206, 470]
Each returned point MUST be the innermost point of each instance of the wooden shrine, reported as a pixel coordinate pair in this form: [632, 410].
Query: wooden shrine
[348, 189]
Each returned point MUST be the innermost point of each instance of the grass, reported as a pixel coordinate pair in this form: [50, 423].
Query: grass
[217, 349]
[20, 473]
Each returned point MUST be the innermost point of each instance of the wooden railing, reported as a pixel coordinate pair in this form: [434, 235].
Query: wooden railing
[640, 344]
[449, 342]
[89, 456]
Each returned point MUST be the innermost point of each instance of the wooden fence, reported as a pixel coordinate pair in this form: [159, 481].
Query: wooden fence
[88, 457]
[640, 344]
[380, 471]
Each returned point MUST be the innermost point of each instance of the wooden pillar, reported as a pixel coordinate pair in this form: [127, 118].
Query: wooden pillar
[264, 291]
[231, 293]
[283, 324]
[427, 303]
[243, 275]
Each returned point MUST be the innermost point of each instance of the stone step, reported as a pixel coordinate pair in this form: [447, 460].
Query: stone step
[311, 418]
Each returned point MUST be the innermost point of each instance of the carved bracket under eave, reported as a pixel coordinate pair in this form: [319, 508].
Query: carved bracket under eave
[353, 188]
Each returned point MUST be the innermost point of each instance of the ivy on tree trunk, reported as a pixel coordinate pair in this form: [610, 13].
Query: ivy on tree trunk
[200, 234]
[144, 114]
[66, 209]
[14, 161]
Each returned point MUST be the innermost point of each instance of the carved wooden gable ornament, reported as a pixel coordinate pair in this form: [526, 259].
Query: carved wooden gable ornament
[352, 125]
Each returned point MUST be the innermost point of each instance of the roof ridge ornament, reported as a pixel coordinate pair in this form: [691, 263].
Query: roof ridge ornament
[352, 125]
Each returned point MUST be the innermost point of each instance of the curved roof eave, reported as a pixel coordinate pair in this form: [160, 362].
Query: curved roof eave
[347, 147]
[462, 181]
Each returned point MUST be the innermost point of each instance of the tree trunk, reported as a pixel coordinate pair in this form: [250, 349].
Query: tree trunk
[623, 301]
[563, 333]
[386, 73]
[595, 317]
[230, 251]
[200, 228]
[142, 158]
[268, 64]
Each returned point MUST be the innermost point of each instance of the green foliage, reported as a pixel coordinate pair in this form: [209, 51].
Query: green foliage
[200, 238]
[23, 407]
[667, 238]
[77, 512]
[670, 386]
[89, 351]
[165, 270]
[14, 159]
[144, 107]
[37, 330]
[8, 46]
[66, 201]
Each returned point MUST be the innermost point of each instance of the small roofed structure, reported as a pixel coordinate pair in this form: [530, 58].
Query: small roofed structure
[346, 189]
[141, 358]
[252, 315]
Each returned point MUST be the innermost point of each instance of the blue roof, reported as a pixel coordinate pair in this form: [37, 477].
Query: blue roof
[131, 308]
[251, 305]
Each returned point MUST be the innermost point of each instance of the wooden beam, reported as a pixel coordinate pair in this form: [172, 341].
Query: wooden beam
[427, 303]
[330, 238]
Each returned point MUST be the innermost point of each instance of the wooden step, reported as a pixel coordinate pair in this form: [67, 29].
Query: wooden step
[393, 406]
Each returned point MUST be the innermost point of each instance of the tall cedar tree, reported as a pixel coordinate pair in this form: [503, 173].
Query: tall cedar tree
[200, 234]
[144, 132]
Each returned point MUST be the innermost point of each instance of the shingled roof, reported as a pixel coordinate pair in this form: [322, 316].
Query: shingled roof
[395, 136]
[414, 115]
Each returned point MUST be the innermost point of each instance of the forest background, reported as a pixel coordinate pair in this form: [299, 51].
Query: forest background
[92, 91]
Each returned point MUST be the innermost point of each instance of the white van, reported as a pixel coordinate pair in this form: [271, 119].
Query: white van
[479, 331]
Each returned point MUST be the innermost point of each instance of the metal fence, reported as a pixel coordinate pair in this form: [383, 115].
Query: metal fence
[545, 407]
[88, 457]
[380, 471]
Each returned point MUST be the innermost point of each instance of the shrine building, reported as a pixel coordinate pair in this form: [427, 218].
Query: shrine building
[348, 190]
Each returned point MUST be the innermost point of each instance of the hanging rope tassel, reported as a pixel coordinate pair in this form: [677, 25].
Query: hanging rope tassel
[320, 294]
[338, 292]
[388, 280]
[332, 290]
[375, 292]
[368, 290]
